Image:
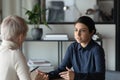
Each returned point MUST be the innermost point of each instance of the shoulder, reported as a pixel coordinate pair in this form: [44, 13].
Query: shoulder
[17, 53]
[73, 45]
[18, 56]
[97, 48]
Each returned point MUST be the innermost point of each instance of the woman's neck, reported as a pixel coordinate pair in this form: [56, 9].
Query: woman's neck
[84, 44]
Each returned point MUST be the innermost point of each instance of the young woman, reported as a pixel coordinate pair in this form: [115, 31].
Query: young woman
[85, 56]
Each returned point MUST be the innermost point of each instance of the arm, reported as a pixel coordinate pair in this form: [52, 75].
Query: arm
[65, 63]
[21, 67]
[100, 63]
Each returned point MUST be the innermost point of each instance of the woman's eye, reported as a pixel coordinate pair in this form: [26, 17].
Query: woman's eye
[82, 30]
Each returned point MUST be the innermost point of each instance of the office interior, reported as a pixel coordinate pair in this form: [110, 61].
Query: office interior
[48, 50]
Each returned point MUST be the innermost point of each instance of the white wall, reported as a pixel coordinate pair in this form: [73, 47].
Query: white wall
[48, 50]
[11, 7]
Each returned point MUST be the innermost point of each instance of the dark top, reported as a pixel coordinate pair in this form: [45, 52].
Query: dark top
[88, 63]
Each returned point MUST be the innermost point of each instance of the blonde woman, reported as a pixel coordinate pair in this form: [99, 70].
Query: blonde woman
[13, 65]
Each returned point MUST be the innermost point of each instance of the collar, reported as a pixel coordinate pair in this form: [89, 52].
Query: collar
[9, 44]
[87, 47]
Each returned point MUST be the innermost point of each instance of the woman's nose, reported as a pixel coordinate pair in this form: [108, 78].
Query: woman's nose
[78, 33]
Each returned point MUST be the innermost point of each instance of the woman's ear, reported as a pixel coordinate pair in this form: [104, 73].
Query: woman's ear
[21, 37]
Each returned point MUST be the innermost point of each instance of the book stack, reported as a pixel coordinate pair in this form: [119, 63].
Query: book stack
[38, 62]
[56, 36]
[43, 65]
[42, 68]
[46, 68]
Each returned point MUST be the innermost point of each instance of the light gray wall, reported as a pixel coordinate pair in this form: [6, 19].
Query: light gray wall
[0, 4]
[16, 7]
[11, 7]
[0, 11]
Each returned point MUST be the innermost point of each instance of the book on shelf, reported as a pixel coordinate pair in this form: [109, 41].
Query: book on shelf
[46, 68]
[42, 68]
[38, 62]
[56, 36]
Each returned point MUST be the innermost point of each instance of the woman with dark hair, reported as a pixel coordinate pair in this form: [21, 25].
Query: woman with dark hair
[85, 56]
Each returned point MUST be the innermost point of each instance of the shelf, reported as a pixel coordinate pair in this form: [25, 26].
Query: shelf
[55, 40]
[48, 40]
[59, 46]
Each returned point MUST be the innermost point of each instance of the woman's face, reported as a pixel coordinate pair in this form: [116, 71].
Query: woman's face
[81, 33]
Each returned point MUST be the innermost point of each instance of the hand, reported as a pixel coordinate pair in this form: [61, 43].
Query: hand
[41, 76]
[67, 75]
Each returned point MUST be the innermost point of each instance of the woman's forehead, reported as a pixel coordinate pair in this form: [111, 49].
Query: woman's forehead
[81, 25]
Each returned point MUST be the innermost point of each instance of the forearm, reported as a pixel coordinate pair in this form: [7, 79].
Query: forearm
[53, 74]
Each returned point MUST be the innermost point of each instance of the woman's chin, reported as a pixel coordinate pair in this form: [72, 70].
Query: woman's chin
[78, 41]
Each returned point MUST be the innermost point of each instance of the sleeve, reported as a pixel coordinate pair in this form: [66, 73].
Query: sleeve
[21, 67]
[66, 62]
[99, 59]
[99, 74]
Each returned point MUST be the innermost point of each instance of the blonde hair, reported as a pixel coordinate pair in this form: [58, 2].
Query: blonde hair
[12, 27]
